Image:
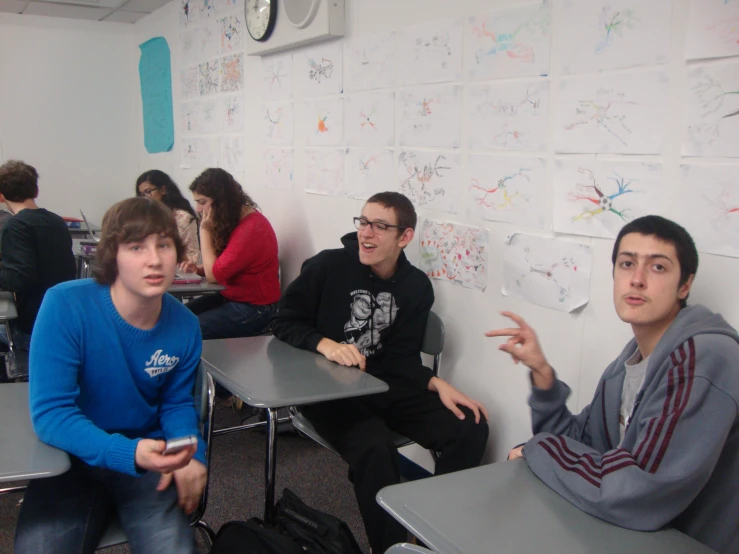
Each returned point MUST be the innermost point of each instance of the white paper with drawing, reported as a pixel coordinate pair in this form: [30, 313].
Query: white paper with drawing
[598, 198]
[710, 207]
[199, 44]
[324, 121]
[511, 42]
[209, 77]
[369, 62]
[618, 113]
[429, 53]
[508, 116]
[232, 113]
[277, 77]
[430, 179]
[277, 123]
[278, 168]
[430, 116]
[548, 272]
[608, 34]
[508, 188]
[369, 118]
[231, 33]
[713, 29]
[318, 70]
[190, 82]
[454, 253]
[199, 153]
[712, 111]
[199, 118]
[324, 171]
[368, 171]
[233, 153]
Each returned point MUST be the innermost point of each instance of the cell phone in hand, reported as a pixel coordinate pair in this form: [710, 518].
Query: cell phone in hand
[173, 446]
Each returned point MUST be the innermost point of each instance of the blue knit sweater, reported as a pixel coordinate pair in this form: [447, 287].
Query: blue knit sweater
[98, 384]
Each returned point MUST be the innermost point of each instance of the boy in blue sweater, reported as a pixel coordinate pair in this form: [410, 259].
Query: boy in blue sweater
[112, 369]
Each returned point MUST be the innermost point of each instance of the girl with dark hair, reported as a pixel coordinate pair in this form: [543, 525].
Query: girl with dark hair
[239, 250]
[159, 186]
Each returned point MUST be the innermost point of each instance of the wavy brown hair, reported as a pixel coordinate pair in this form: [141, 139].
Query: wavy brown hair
[130, 221]
[228, 198]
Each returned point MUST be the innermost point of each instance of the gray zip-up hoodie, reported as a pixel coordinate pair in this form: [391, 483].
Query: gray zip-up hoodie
[678, 463]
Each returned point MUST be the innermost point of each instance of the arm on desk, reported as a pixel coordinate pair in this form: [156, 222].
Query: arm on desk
[682, 429]
[295, 321]
[18, 271]
[54, 364]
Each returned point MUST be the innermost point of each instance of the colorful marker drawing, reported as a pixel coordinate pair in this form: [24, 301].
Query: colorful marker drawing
[429, 53]
[430, 179]
[607, 112]
[368, 171]
[510, 42]
[709, 207]
[208, 77]
[368, 62]
[319, 70]
[233, 153]
[549, 272]
[431, 116]
[369, 119]
[454, 253]
[613, 24]
[232, 73]
[232, 33]
[508, 116]
[277, 77]
[712, 111]
[598, 198]
[278, 168]
[324, 171]
[190, 81]
[278, 123]
[232, 113]
[324, 118]
[713, 29]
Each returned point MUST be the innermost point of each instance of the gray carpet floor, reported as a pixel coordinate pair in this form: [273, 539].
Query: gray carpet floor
[316, 475]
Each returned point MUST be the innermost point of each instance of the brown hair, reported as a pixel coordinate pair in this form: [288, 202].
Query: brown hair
[129, 221]
[18, 181]
[400, 204]
[228, 198]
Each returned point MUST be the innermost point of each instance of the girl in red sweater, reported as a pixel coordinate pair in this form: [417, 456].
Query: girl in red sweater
[239, 250]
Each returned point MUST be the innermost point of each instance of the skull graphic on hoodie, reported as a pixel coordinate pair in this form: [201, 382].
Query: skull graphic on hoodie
[369, 316]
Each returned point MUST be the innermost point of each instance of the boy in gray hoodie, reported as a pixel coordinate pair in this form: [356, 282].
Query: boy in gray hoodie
[659, 443]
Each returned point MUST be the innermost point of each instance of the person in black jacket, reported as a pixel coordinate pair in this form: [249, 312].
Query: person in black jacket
[365, 305]
[36, 249]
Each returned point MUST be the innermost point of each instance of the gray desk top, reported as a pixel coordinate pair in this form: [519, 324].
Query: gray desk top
[22, 454]
[268, 373]
[504, 508]
[203, 287]
[7, 306]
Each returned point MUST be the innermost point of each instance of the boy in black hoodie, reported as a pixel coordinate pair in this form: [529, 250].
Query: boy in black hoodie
[365, 305]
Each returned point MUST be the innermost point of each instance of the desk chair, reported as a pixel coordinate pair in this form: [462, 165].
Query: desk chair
[406, 548]
[204, 402]
[433, 344]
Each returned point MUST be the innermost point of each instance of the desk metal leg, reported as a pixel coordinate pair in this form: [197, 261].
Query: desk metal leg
[269, 470]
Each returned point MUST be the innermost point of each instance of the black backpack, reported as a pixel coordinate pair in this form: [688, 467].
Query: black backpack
[298, 529]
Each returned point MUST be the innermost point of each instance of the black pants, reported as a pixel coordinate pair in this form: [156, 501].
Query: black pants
[361, 431]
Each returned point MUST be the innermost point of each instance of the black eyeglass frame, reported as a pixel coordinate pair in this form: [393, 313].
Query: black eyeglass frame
[377, 230]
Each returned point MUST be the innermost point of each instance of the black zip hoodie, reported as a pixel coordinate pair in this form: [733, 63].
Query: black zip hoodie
[337, 297]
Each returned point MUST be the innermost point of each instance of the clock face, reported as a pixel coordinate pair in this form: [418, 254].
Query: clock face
[260, 18]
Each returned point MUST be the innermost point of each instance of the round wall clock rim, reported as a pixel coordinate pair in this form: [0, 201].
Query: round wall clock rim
[274, 6]
[308, 18]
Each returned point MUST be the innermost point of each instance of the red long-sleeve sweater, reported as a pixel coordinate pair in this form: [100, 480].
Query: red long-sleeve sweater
[248, 267]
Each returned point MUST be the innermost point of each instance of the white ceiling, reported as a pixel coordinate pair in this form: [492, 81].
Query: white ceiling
[120, 11]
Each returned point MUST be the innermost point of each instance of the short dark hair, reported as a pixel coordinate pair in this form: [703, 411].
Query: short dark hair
[129, 221]
[18, 181]
[668, 231]
[399, 203]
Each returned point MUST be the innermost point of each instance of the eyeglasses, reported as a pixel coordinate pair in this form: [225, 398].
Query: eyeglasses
[148, 192]
[378, 227]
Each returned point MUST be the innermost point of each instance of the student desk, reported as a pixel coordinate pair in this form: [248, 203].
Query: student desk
[504, 508]
[188, 290]
[82, 260]
[8, 311]
[22, 454]
[268, 373]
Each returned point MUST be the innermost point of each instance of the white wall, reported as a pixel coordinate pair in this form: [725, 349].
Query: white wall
[578, 345]
[67, 107]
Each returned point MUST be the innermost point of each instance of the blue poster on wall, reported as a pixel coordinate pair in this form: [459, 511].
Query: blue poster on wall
[155, 76]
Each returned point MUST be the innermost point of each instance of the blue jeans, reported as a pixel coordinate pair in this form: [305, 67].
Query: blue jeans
[68, 513]
[222, 319]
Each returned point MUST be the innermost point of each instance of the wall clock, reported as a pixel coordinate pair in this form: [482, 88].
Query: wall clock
[260, 16]
[300, 12]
